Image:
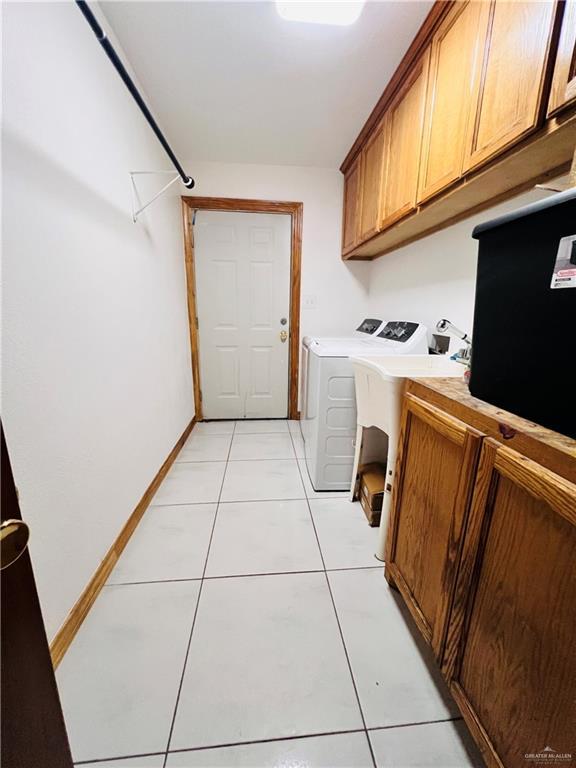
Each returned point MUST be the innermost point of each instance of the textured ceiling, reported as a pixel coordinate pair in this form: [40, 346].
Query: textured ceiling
[233, 82]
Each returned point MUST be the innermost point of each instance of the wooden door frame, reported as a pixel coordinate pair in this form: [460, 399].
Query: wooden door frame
[191, 203]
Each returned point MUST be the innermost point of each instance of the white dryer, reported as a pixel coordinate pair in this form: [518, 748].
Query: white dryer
[328, 401]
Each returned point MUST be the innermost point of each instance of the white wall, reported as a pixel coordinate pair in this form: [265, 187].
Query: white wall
[432, 278]
[96, 367]
[435, 277]
[339, 289]
[96, 375]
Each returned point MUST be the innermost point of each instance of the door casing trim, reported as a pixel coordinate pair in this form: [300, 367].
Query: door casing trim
[191, 203]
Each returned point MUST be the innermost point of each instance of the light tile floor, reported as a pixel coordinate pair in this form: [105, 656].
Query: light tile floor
[248, 624]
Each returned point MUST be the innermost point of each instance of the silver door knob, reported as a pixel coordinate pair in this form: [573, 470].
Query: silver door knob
[283, 336]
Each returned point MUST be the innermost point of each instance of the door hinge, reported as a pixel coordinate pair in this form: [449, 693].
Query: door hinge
[197, 324]
[200, 391]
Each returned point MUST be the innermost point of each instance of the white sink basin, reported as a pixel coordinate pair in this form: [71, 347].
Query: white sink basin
[379, 383]
[412, 366]
[380, 380]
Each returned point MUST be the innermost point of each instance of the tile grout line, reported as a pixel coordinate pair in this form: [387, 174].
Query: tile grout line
[271, 740]
[170, 733]
[233, 461]
[203, 578]
[416, 724]
[245, 575]
[326, 572]
[338, 621]
[105, 760]
[231, 744]
[167, 752]
[225, 745]
[329, 495]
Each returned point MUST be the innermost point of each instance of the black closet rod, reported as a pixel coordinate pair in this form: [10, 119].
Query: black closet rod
[188, 181]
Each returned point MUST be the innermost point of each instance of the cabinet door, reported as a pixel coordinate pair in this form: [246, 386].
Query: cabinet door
[512, 631]
[448, 99]
[372, 167]
[509, 76]
[405, 117]
[436, 466]
[563, 90]
[351, 207]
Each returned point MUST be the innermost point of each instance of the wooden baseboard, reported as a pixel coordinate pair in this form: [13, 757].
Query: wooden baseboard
[74, 620]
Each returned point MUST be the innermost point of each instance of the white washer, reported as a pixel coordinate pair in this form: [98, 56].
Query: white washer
[328, 402]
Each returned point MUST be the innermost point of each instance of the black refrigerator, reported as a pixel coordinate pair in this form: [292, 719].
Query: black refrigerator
[524, 335]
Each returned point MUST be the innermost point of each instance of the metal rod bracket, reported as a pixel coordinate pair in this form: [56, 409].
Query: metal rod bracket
[137, 211]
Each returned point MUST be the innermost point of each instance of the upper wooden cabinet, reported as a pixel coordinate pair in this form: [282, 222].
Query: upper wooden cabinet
[452, 58]
[515, 669]
[372, 169]
[509, 76]
[352, 193]
[463, 121]
[563, 91]
[404, 123]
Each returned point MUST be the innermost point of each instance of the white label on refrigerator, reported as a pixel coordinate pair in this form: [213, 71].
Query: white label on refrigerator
[564, 275]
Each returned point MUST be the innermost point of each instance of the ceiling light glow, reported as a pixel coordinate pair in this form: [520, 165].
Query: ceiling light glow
[340, 13]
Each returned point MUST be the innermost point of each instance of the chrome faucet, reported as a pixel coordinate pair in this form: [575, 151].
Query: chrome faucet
[446, 325]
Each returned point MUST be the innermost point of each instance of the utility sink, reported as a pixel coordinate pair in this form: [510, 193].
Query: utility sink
[412, 366]
[379, 383]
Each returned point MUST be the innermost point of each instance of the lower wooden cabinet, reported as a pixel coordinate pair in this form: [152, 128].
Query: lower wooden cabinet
[437, 460]
[482, 547]
[514, 626]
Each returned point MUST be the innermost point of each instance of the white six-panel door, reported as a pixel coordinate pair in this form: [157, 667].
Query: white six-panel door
[243, 293]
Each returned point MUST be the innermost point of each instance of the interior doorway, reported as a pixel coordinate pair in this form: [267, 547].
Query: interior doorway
[243, 280]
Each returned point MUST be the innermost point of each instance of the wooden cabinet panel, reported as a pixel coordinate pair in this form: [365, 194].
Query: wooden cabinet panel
[464, 123]
[351, 207]
[437, 460]
[452, 57]
[563, 90]
[372, 169]
[509, 76]
[404, 124]
[514, 616]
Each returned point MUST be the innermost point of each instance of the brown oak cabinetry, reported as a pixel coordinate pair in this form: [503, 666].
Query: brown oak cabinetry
[372, 171]
[516, 662]
[509, 75]
[437, 459]
[453, 54]
[463, 122]
[352, 193]
[563, 92]
[481, 546]
[404, 120]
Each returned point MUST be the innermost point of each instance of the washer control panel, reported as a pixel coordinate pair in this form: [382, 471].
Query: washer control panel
[398, 330]
[369, 326]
